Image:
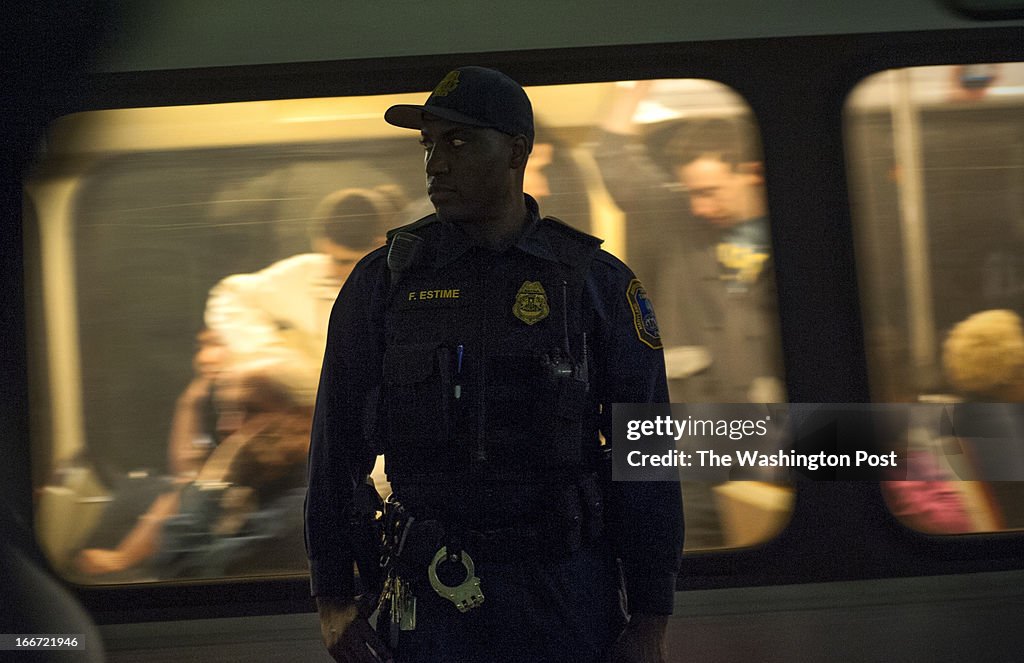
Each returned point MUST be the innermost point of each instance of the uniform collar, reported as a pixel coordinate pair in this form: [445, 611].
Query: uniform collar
[533, 241]
[455, 241]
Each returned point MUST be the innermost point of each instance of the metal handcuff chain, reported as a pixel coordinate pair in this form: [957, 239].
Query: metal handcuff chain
[466, 595]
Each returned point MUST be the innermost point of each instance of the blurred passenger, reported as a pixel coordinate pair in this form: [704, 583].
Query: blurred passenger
[697, 234]
[193, 437]
[278, 314]
[712, 278]
[931, 502]
[248, 491]
[983, 358]
[243, 513]
[193, 429]
[281, 312]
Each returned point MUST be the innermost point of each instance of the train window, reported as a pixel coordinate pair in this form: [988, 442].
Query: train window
[936, 157]
[188, 258]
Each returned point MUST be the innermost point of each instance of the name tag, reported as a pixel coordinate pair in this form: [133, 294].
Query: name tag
[416, 297]
[436, 294]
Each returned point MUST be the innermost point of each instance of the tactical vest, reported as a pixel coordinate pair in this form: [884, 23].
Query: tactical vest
[485, 372]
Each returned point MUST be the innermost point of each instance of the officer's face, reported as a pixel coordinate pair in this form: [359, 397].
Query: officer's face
[469, 169]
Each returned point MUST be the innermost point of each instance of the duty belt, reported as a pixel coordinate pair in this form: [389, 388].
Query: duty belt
[506, 544]
[417, 550]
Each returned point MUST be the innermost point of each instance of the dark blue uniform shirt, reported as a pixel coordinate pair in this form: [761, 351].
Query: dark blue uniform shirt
[445, 368]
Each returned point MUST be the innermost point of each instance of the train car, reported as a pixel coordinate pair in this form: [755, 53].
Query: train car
[882, 144]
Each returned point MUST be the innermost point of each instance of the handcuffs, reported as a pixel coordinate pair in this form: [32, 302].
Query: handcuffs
[466, 595]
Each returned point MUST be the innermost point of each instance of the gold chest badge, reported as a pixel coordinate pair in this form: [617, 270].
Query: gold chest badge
[531, 303]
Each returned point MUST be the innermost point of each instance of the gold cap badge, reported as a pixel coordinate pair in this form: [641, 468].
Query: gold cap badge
[447, 85]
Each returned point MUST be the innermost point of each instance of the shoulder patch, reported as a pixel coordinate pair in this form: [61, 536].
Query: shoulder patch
[643, 315]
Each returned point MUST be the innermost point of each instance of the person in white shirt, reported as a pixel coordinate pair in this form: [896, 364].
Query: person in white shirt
[281, 312]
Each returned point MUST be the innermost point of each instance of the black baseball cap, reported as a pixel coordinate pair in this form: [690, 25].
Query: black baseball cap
[476, 96]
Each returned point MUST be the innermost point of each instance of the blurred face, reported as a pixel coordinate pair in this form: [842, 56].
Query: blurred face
[343, 259]
[210, 354]
[720, 195]
[468, 169]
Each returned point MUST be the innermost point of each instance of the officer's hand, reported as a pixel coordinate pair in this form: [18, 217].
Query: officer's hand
[347, 634]
[643, 641]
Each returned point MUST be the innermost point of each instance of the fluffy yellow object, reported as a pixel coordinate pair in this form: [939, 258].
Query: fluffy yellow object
[984, 354]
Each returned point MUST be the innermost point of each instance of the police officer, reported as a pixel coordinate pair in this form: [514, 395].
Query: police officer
[481, 351]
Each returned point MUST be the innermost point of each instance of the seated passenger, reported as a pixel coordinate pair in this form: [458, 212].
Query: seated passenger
[241, 495]
[193, 437]
[193, 429]
[930, 503]
[243, 513]
[983, 358]
[984, 361]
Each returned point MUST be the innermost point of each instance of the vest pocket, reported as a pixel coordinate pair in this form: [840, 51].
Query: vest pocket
[534, 412]
[417, 400]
